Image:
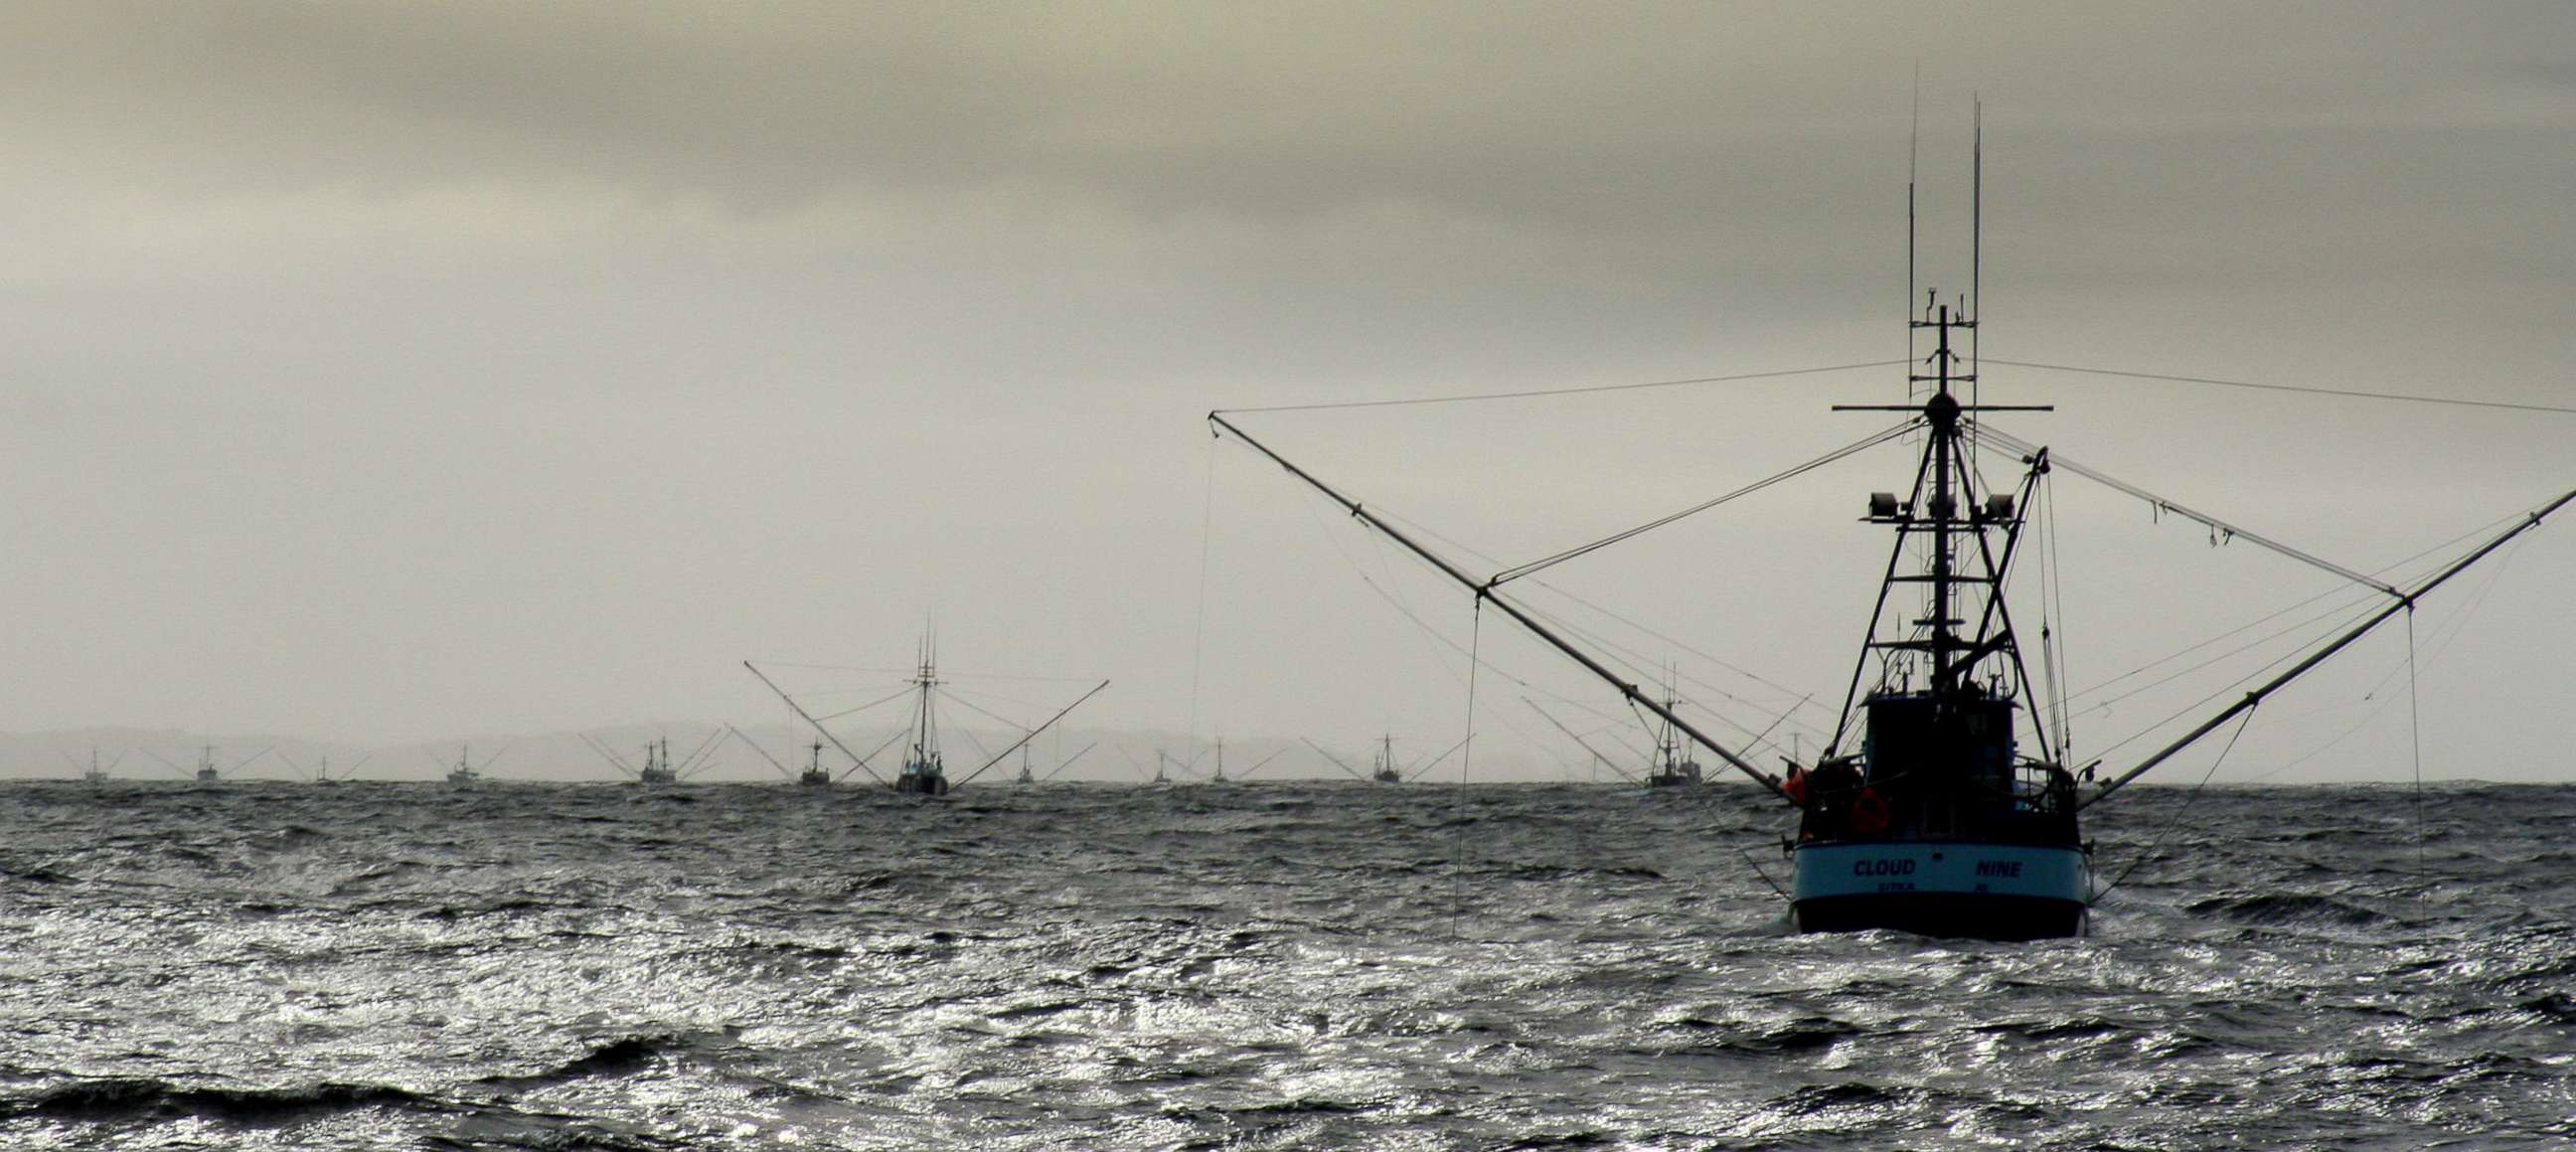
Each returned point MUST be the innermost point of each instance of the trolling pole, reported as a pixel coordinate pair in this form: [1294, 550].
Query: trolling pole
[1260, 764]
[1579, 741]
[1031, 735]
[1486, 593]
[2405, 602]
[764, 752]
[799, 710]
[614, 760]
[1068, 762]
[1337, 761]
[1426, 766]
[882, 745]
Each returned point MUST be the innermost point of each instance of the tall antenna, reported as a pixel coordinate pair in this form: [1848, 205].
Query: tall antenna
[1976, 233]
[1913, 146]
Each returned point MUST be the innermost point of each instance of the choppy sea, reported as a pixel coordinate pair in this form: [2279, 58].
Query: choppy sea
[1262, 966]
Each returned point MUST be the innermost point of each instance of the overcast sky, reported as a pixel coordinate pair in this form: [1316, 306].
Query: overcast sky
[392, 372]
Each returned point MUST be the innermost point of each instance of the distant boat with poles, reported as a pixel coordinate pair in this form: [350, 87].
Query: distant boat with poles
[1382, 768]
[93, 772]
[465, 771]
[206, 772]
[321, 772]
[656, 769]
[924, 770]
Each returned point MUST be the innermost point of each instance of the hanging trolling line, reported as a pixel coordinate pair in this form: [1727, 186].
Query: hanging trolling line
[2179, 813]
[2415, 742]
[1466, 757]
[1198, 628]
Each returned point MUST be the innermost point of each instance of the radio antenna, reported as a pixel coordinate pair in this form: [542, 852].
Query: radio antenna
[1913, 147]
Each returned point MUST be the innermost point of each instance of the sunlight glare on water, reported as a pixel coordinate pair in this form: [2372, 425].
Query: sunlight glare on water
[1266, 966]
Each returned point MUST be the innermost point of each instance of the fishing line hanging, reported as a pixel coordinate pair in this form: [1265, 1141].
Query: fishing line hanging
[2188, 800]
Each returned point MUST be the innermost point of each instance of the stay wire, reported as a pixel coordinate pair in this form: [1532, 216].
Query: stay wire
[1579, 601]
[2390, 571]
[1577, 391]
[1510, 574]
[1198, 628]
[2179, 813]
[2304, 389]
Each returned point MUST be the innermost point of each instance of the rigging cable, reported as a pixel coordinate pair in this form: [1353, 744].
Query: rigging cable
[1422, 627]
[1641, 629]
[1510, 574]
[2313, 391]
[2179, 813]
[899, 694]
[916, 670]
[2415, 741]
[2214, 524]
[1466, 756]
[2053, 599]
[1736, 378]
[2196, 705]
[2250, 625]
[1198, 628]
[2449, 630]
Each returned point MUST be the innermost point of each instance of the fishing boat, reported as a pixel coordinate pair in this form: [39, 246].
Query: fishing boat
[1030, 776]
[1382, 767]
[321, 771]
[1939, 823]
[465, 771]
[206, 772]
[1928, 812]
[657, 768]
[924, 770]
[1673, 763]
[94, 772]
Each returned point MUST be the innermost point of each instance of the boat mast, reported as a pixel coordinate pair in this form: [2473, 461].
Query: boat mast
[925, 731]
[1942, 411]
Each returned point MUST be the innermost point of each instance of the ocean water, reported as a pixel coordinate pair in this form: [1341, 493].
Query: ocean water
[1267, 966]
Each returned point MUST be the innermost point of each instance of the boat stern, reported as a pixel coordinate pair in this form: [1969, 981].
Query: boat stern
[1942, 888]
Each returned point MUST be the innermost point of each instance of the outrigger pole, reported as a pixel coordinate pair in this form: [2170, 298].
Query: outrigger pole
[1032, 734]
[799, 709]
[2405, 603]
[1580, 742]
[1485, 593]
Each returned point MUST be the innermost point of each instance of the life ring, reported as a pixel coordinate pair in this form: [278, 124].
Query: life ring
[1869, 816]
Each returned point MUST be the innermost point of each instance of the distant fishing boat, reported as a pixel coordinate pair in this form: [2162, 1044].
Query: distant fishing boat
[92, 772]
[657, 768]
[813, 775]
[1028, 776]
[465, 771]
[1382, 767]
[321, 773]
[206, 772]
[1940, 821]
[924, 770]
